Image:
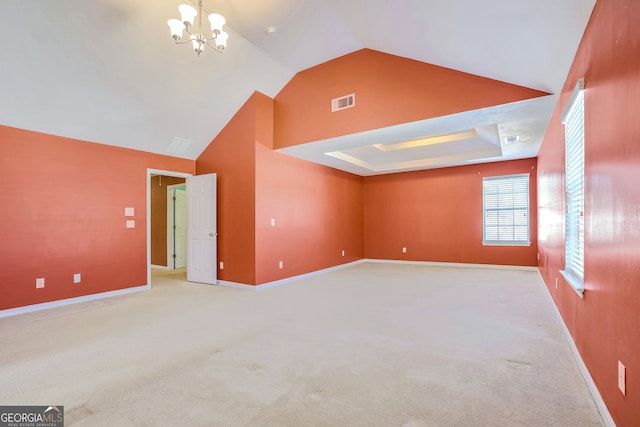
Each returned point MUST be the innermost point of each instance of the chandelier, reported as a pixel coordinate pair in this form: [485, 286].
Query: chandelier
[217, 39]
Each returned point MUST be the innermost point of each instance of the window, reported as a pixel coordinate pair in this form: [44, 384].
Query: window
[573, 120]
[506, 210]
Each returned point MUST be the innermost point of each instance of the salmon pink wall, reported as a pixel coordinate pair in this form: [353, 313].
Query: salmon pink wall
[317, 211]
[389, 90]
[605, 325]
[438, 215]
[231, 155]
[63, 213]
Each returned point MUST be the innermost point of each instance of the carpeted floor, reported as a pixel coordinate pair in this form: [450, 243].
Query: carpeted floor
[368, 345]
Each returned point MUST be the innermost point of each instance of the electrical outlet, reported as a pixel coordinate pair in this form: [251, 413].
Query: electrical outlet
[343, 252]
[221, 265]
[556, 283]
[273, 222]
[404, 250]
[77, 278]
[281, 265]
[40, 283]
[622, 378]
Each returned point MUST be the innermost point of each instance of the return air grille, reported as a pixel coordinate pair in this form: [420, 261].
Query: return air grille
[178, 146]
[347, 101]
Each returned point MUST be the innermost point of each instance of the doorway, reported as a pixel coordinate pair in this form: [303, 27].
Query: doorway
[201, 229]
[158, 245]
[176, 226]
[162, 214]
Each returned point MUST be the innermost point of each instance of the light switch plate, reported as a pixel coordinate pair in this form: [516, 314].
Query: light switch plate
[40, 282]
[131, 223]
[129, 212]
[77, 278]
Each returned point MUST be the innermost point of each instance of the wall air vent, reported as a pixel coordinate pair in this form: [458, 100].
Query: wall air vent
[343, 102]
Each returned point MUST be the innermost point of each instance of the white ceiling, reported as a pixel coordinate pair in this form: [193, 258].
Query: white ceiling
[107, 71]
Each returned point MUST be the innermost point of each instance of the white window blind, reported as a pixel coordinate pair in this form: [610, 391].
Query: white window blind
[506, 209]
[574, 163]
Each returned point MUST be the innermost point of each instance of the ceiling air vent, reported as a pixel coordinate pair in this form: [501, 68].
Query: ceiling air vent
[178, 146]
[511, 139]
[343, 102]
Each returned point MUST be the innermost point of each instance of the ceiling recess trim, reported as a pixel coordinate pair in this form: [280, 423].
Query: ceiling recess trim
[427, 141]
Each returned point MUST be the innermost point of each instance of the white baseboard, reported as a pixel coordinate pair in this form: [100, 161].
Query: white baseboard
[607, 419]
[59, 303]
[288, 279]
[453, 264]
[361, 261]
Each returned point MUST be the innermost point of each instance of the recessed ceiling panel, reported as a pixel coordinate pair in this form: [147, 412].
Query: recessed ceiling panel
[470, 137]
[428, 151]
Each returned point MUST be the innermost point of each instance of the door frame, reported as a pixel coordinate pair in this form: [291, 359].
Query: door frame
[150, 172]
[170, 215]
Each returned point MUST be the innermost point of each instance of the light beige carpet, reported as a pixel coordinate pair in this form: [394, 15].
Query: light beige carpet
[369, 345]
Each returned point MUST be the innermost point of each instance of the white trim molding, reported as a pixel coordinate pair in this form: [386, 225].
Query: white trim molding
[607, 419]
[574, 95]
[453, 264]
[288, 279]
[365, 260]
[69, 301]
[576, 284]
[84, 298]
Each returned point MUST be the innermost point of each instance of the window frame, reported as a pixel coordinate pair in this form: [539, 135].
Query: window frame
[574, 122]
[525, 242]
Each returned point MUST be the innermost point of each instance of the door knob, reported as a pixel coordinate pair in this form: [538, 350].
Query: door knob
[211, 234]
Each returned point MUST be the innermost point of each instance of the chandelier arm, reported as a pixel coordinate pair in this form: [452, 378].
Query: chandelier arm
[213, 47]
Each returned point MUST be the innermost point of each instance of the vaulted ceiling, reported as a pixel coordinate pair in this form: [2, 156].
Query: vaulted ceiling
[108, 72]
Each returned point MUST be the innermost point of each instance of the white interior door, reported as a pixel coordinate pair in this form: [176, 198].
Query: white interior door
[201, 229]
[180, 222]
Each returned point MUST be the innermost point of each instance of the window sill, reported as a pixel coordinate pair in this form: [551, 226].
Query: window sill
[576, 284]
[506, 243]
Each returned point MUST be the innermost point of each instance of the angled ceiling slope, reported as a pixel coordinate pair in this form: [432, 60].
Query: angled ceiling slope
[108, 71]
